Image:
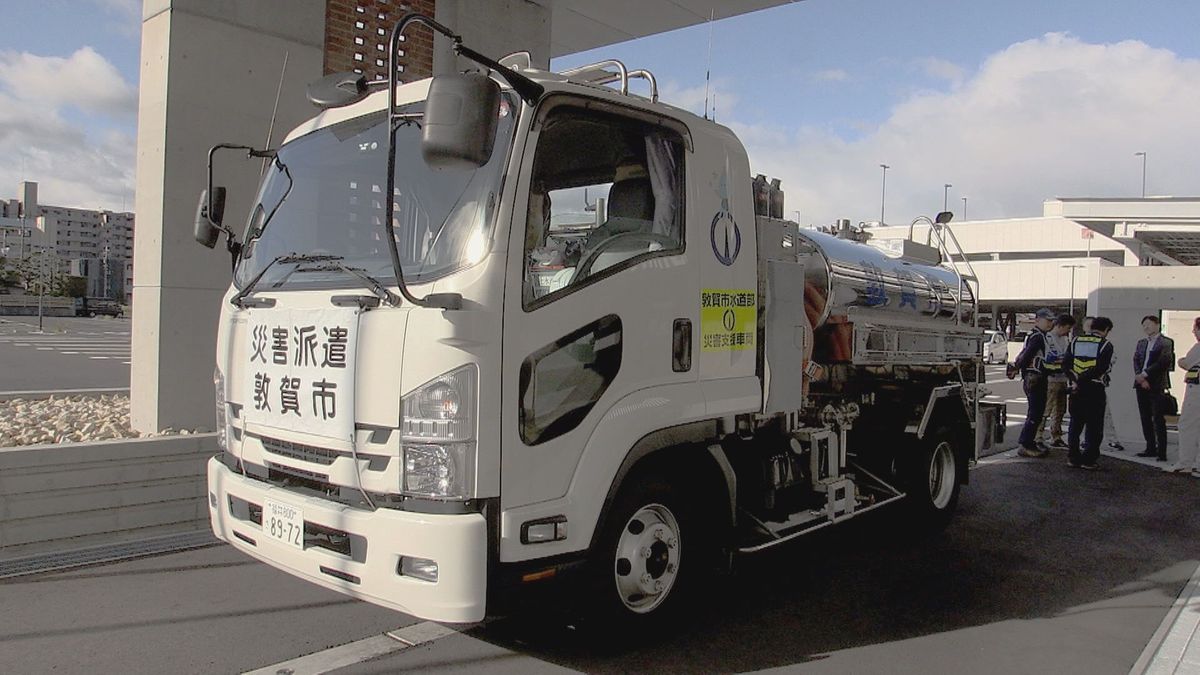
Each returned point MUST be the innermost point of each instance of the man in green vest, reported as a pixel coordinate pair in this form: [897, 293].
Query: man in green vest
[1086, 363]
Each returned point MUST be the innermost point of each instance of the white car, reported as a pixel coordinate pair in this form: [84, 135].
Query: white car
[995, 347]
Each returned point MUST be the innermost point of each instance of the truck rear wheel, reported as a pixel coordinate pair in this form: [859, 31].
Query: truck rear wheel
[932, 481]
[650, 554]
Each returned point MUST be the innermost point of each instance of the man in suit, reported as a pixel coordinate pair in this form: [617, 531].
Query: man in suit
[1153, 359]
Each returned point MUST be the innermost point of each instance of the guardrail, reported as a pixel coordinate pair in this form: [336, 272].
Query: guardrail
[72, 495]
[12, 305]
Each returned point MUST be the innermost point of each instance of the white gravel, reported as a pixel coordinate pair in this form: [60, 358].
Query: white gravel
[67, 419]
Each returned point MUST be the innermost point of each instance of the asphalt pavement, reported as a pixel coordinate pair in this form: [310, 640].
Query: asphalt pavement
[1045, 569]
[67, 354]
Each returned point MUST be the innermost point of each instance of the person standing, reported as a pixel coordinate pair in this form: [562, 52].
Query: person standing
[1152, 362]
[1030, 364]
[1086, 364]
[1110, 429]
[1189, 417]
[1057, 342]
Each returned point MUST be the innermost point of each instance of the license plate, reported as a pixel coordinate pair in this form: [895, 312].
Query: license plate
[283, 522]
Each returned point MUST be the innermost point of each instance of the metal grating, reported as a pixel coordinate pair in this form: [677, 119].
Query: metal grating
[1182, 245]
[305, 453]
[83, 557]
[299, 473]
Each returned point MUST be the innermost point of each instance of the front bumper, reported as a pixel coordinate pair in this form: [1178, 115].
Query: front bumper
[365, 566]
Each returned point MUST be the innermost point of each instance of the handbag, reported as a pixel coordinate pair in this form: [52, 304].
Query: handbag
[1170, 404]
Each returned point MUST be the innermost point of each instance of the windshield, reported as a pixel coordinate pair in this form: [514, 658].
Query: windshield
[323, 195]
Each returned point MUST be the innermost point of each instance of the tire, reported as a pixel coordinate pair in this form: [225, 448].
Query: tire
[932, 481]
[651, 554]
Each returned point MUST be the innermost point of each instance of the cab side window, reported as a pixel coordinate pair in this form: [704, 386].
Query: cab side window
[605, 194]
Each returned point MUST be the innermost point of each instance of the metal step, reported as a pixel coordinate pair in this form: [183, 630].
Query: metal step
[807, 526]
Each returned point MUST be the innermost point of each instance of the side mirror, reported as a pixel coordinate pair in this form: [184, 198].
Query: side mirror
[208, 225]
[944, 217]
[461, 116]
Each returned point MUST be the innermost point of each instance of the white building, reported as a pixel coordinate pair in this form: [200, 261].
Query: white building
[95, 244]
[1120, 258]
[17, 223]
[1056, 259]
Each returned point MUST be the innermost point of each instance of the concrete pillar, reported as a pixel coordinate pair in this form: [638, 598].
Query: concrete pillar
[1125, 295]
[494, 29]
[209, 73]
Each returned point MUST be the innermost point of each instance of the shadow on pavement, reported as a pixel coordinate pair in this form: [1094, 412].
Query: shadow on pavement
[1100, 555]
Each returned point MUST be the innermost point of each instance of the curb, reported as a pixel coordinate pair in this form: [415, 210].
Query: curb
[1190, 590]
[36, 395]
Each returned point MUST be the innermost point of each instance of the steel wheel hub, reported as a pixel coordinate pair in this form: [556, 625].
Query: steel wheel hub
[647, 558]
[942, 475]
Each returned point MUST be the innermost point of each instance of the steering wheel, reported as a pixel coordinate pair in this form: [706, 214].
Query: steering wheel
[584, 268]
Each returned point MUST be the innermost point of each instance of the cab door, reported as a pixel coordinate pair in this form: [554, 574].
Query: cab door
[600, 293]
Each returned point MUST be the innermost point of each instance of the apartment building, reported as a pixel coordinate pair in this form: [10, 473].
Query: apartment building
[95, 244]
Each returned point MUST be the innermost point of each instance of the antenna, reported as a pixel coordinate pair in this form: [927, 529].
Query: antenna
[708, 63]
[274, 111]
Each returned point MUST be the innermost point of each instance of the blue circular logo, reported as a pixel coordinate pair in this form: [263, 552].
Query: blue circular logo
[726, 238]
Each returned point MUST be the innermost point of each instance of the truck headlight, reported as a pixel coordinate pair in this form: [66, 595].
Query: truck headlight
[222, 430]
[437, 428]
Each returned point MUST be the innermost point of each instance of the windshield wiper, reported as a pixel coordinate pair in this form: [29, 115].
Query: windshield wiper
[286, 258]
[372, 284]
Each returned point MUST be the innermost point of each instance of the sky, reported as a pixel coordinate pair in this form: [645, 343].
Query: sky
[1011, 102]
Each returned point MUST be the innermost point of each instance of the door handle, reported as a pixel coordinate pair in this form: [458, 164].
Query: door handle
[681, 346]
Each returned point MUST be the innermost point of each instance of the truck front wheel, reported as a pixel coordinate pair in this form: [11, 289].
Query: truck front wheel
[650, 553]
[646, 564]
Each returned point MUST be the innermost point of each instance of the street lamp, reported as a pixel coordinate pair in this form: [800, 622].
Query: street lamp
[1073, 268]
[1143, 156]
[964, 216]
[883, 192]
[946, 196]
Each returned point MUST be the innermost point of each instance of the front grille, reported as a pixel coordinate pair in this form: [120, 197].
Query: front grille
[306, 453]
[299, 473]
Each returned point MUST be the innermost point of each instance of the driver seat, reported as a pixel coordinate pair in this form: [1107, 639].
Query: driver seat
[630, 209]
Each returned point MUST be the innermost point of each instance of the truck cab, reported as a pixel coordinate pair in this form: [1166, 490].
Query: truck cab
[583, 383]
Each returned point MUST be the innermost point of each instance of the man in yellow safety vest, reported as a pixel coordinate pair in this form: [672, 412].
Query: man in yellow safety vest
[1086, 363]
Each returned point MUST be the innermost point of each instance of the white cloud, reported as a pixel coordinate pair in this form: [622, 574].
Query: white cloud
[1053, 116]
[831, 75]
[941, 69]
[85, 80]
[692, 98]
[67, 123]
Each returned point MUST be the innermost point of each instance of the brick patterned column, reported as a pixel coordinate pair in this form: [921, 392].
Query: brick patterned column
[356, 38]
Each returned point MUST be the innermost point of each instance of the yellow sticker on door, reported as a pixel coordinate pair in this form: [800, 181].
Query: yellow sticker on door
[728, 320]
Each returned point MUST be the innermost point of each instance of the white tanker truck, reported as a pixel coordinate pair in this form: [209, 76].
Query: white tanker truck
[540, 335]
